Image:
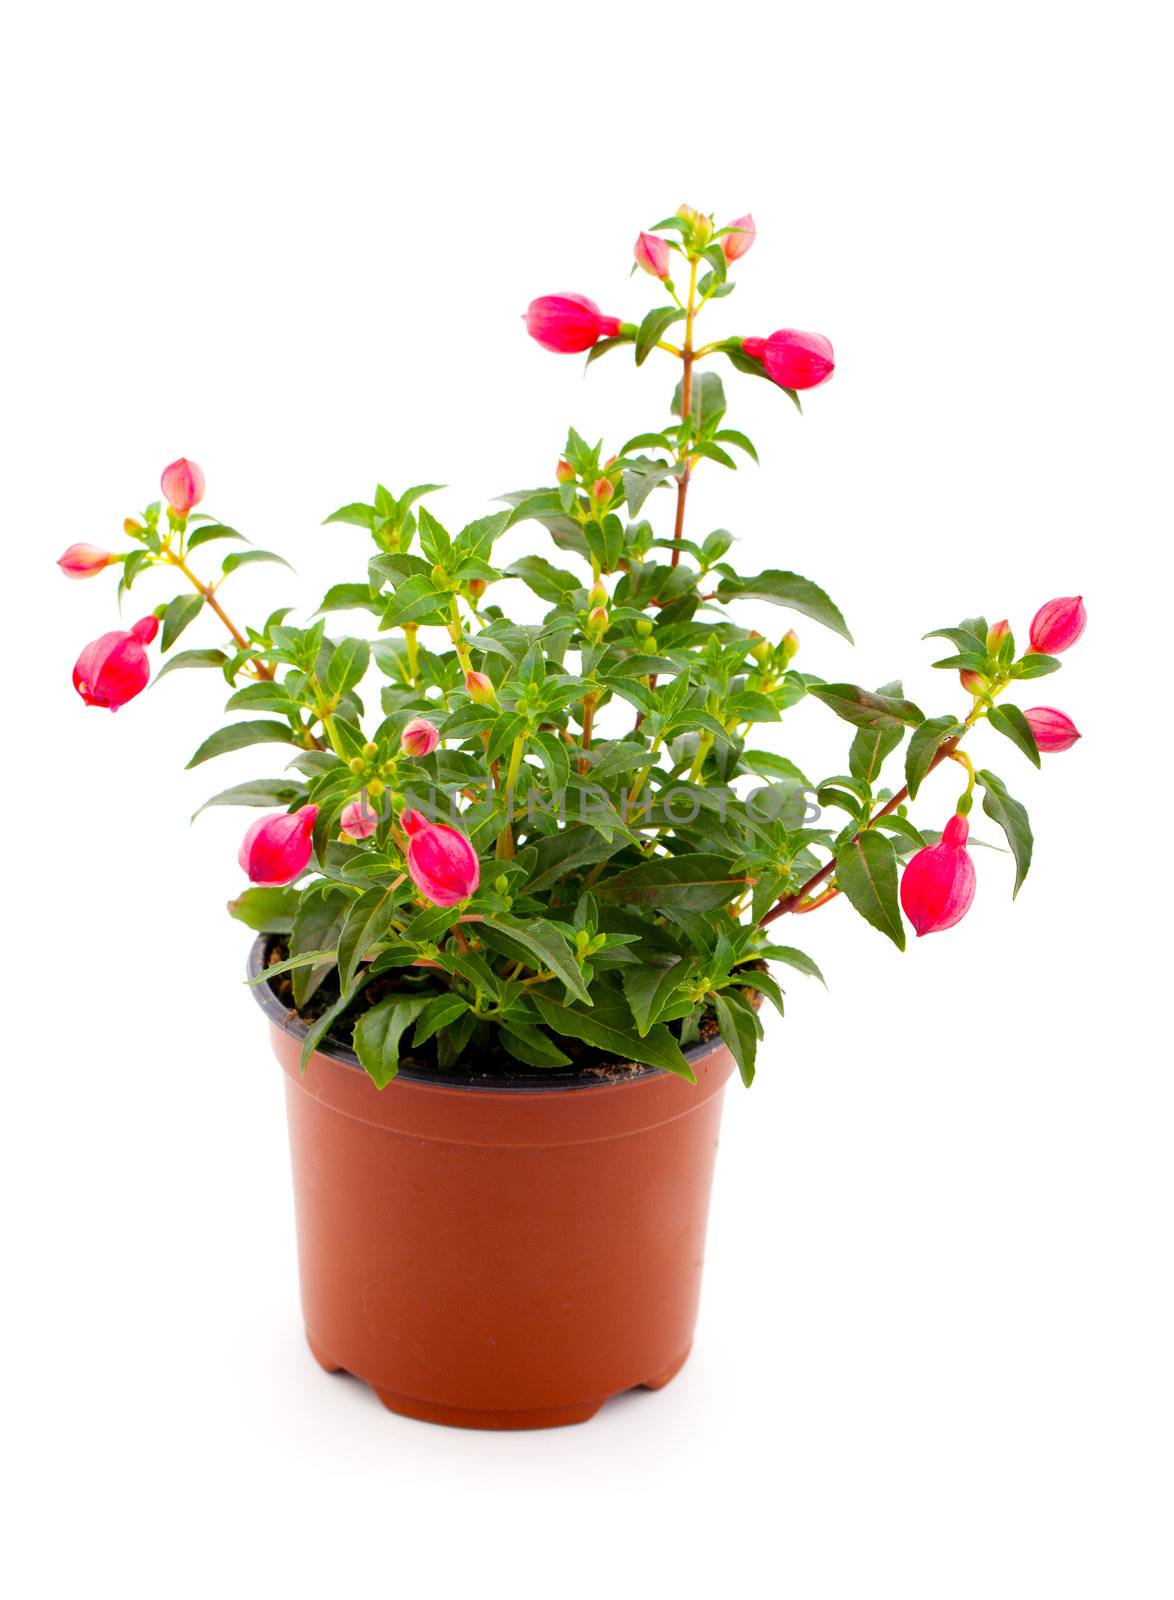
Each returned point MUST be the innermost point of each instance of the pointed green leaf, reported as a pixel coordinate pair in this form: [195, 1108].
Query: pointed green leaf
[1013, 725]
[866, 871]
[1012, 818]
[927, 740]
[790, 590]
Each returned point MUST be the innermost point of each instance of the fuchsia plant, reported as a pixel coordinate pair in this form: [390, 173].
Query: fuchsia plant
[544, 848]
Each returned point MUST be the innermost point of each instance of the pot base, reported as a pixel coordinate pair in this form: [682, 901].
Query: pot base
[500, 1421]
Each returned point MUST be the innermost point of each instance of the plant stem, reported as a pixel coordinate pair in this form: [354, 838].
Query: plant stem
[686, 410]
[264, 670]
[505, 839]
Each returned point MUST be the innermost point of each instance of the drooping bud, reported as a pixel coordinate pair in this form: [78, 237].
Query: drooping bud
[735, 245]
[793, 360]
[419, 738]
[1052, 729]
[972, 682]
[568, 323]
[358, 820]
[442, 863]
[277, 848]
[565, 472]
[183, 485]
[479, 687]
[1057, 625]
[114, 668]
[652, 253]
[937, 886]
[84, 560]
[790, 645]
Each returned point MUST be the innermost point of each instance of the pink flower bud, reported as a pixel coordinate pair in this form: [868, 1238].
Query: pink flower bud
[1057, 625]
[652, 253]
[792, 359]
[442, 862]
[996, 633]
[358, 820]
[602, 490]
[568, 323]
[735, 245]
[84, 560]
[687, 213]
[419, 738]
[113, 669]
[480, 688]
[565, 472]
[972, 682]
[278, 847]
[183, 485]
[937, 886]
[1053, 730]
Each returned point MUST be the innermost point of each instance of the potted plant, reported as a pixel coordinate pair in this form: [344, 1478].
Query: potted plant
[517, 887]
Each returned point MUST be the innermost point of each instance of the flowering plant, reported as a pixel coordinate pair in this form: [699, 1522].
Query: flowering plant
[557, 844]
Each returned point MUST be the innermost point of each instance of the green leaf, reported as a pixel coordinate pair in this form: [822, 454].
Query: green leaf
[695, 882]
[707, 402]
[1036, 666]
[866, 871]
[378, 1033]
[541, 946]
[927, 740]
[317, 926]
[739, 1029]
[357, 514]
[348, 664]
[266, 910]
[868, 751]
[243, 558]
[653, 329]
[319, 1029]
[650, 987]
[548, 582]
[1012, 818]
[732, 436]
[192, 658]
[238, 735]
[441, 1011]
[865, 710]
[258, 792]
[366, 923]
[183, 609]
[532, 1046]
[213, 530]
[1013, 725]
[790, 590]
[290, 964]
[791, 957]
[608, 1027]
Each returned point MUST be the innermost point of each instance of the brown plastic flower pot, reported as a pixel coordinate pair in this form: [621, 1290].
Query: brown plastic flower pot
[499, 1254]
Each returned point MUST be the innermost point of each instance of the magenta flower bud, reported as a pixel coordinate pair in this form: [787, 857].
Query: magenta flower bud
[113, 669]
[1053, 730]
[419, 738]
[84, 560]
[937, 886]
[358, 820]
[442, 863]
[568, 323]
[278, 847]
[183, 485]
[480, 688]
[652, 253]
[792, 359]
[1057, 625]
[735, 245]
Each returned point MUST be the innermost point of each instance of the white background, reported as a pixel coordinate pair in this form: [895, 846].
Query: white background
[293, 242]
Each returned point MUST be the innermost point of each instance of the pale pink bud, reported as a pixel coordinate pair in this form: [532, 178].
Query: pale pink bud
[479, 687]
[937, 886]
[568, 323]
[602, 490]
[687, 213]
[419, 738]
[996, 633]
[652, 253]
[84, 560]
[735, 245]
[565, 472]
[114, 668]
[793, 360]
[442, 863]
[972, 682]
[1053, 730]
[358, 820]
[1057, 625]
[183, 485]
[277, 848]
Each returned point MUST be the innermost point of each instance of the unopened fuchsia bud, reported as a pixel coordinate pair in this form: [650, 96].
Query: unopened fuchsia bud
[761, 650]
[652, 253]
[84, 560]
[1052, 729]
[358, 820]
[476, 587]
[996, 633]
[565, 472]
[736, 244]
[442, 863]
[601, 491]
[114, 668]
[419, 738]
[597, 620]
[1057, 625]
[132, 526]
[479, 687]
[972, 682]
[687, 213]
[937, 886]
[794, 360]
[597, 596]
[183, 485]
[790, 645]
[568, 323]
[277, 848]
